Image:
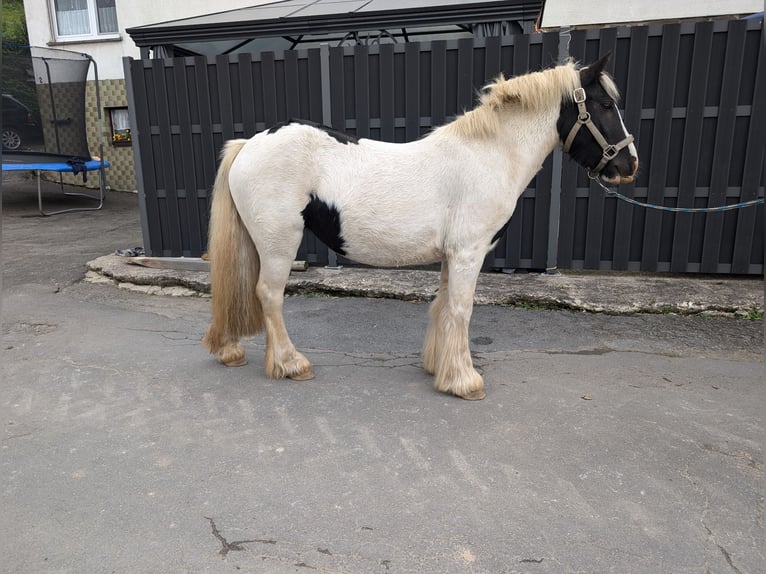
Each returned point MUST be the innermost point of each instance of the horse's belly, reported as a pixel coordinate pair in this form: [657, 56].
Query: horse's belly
[395, 256]
[392, 246]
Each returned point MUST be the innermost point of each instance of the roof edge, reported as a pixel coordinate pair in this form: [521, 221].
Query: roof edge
[155, 34]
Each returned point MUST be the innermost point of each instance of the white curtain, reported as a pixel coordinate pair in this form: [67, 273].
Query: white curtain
[72, 17]
[120, 119]
[107, 16]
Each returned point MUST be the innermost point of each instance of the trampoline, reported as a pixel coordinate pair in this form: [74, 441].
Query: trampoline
[50, 134]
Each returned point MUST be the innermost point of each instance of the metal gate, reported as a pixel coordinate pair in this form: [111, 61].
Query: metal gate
[694, 97]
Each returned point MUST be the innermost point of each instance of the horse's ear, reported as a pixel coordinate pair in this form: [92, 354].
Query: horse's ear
[593, 72]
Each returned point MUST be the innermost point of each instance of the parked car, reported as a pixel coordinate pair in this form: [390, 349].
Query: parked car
[19, 128]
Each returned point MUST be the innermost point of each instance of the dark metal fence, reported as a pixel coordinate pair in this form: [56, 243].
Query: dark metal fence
[694, 97]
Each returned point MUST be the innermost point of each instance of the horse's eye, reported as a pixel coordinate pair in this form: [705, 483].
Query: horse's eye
[607, 105]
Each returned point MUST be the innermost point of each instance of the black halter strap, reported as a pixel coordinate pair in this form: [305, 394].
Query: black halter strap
[583, 119]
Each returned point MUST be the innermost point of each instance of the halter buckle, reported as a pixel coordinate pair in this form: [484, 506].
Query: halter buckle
[579, 95]
[610, 152]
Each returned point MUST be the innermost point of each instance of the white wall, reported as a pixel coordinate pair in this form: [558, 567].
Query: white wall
[560, 13]
[108, 54]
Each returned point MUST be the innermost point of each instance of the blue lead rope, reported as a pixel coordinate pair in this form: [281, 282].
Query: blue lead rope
[618, 195]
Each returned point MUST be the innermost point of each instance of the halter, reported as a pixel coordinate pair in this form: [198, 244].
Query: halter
[583, 119]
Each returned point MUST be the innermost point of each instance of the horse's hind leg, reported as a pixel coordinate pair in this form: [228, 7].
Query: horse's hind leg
[454, 372]
[433, 343]
[282, 359]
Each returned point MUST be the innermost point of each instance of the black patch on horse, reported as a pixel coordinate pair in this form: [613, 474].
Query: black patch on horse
[324, 221]
[338, 136]
[500, 232]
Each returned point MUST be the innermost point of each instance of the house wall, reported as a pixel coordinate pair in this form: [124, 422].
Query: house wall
[108, 55]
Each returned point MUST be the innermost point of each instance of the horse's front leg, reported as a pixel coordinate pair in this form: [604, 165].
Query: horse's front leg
[282, 359]
[454, 372]
[433, 343]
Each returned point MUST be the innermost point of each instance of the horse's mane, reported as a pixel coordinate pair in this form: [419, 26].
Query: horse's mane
[533, 91]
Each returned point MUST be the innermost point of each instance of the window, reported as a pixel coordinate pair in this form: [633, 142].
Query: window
[120, 126]
[84, 19]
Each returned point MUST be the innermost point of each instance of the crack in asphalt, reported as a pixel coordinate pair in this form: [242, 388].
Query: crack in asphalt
[235, 545]
[726, 554]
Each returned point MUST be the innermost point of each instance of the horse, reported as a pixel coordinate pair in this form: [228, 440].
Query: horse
[444, 198]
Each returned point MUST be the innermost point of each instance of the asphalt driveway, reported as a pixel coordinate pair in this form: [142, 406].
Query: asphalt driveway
[606, 443]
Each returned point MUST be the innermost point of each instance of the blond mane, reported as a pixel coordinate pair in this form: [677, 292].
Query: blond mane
[533, 91]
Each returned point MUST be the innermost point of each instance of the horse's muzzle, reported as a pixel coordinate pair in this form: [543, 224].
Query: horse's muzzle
[618, 179]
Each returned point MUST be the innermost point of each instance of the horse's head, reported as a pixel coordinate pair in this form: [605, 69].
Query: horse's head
[592, 131]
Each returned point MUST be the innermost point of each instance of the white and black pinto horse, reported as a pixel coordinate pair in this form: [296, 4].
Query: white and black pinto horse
[443, 198]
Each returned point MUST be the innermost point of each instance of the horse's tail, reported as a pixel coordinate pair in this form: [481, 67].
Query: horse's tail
[234, 267]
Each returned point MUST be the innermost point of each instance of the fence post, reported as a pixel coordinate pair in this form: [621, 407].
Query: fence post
[139, 138]
[554, 214]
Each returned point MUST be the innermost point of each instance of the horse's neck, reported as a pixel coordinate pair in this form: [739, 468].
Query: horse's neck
[524, 142]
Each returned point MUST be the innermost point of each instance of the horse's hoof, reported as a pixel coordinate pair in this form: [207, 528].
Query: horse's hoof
[476, 395]
[304, 376]
[235, 362]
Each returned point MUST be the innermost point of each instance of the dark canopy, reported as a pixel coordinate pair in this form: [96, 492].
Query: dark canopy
[303, 22]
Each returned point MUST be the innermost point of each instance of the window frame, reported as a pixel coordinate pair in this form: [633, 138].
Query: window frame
[92, 20]
[119, 138]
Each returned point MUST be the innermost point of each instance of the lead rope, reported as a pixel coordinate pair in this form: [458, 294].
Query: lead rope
[614, 193]
[611, 150]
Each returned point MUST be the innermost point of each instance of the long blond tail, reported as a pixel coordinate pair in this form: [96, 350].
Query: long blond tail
[234, 267]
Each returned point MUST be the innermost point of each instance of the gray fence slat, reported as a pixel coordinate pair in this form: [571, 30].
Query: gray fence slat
[412, 91]
[148, 185]
[387, 94]
[362, 91]
[520, 63]
[337, 89]
[203, 86]
[315, 86]
[492, 56]
[438, 74]
[692, 144]
[727, 108]
[752, 182]
[633, 102]
[169, 204]
[513, 236]
[660, 144]
[194, 218]
[269, 89]
[594, 231]
[224, 96]
[465, 86]
[247, 93]
[292, 85]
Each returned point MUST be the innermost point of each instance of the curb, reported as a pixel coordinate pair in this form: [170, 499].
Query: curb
[613, 293]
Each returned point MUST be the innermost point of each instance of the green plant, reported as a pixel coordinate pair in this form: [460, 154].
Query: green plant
[754, 313]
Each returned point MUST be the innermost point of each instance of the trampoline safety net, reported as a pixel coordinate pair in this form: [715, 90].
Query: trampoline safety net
[43, 102]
